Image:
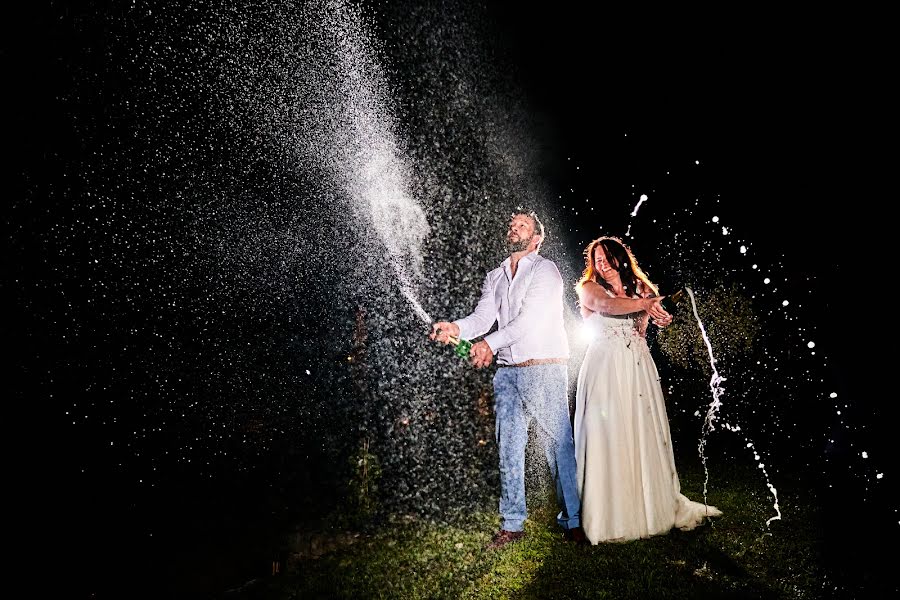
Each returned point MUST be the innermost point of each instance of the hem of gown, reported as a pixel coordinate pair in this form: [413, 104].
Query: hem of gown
[623, 540]
[696, 520]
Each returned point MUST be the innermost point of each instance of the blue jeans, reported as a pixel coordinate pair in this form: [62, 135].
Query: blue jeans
[538, 392]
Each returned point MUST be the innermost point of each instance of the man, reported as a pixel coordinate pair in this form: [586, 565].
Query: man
[524, 295]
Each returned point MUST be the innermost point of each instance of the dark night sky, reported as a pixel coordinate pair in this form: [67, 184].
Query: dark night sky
[791, 122]
[791, 118]
[792, 125]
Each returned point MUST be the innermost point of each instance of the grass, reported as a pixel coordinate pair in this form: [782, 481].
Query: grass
[735, 556]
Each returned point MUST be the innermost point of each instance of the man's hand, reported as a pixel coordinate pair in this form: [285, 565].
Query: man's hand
[442, 330]
[481, 354]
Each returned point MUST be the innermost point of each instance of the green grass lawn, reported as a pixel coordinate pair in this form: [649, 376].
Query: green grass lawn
[735, 556]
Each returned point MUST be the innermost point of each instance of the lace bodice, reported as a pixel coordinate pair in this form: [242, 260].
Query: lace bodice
[630, 326]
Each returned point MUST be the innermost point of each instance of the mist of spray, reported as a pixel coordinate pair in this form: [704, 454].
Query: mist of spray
[715, 384]
[333, 111]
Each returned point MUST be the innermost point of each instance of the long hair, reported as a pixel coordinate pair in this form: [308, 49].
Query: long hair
[622, 260]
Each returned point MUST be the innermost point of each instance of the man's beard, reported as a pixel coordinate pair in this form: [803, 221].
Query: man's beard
[518, 246]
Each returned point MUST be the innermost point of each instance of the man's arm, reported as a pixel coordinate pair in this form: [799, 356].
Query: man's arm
[484, 315]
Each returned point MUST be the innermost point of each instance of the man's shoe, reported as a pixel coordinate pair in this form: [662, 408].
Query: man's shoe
[576, 534]
[503, 537]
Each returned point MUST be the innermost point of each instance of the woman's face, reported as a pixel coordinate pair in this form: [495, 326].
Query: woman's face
[602, 266]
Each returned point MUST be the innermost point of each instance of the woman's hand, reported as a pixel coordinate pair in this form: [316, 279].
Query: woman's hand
[664, 322]
[653, 307]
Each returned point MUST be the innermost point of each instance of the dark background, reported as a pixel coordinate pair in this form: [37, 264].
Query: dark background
[790, 117]
[791, 120]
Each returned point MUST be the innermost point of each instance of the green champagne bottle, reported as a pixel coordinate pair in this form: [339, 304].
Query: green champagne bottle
[671, 302]
[462, 347]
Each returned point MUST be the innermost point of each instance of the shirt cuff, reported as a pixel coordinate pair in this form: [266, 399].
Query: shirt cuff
[463, 334]
[496, 340]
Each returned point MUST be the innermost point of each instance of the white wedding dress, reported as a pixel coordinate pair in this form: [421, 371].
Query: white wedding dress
[626, 467]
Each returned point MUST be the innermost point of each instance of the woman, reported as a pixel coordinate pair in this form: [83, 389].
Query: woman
[626, 468]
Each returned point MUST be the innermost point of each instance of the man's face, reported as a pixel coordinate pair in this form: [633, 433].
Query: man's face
[520, 235]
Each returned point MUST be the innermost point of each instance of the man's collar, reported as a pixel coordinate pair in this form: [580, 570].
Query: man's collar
[530, 256]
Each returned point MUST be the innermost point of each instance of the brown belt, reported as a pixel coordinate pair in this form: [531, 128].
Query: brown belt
[538, 361]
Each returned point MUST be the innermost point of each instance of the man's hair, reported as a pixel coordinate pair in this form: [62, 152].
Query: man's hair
[538, 226]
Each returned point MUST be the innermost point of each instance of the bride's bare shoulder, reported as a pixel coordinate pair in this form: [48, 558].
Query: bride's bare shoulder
[587, 287]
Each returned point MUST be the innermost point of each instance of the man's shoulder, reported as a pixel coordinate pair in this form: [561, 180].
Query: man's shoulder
[544, 264]
[541, 260]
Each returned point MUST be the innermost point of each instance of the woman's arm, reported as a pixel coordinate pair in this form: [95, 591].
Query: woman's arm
[593, 296]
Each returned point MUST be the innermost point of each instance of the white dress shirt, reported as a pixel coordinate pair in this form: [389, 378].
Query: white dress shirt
[528, 309]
